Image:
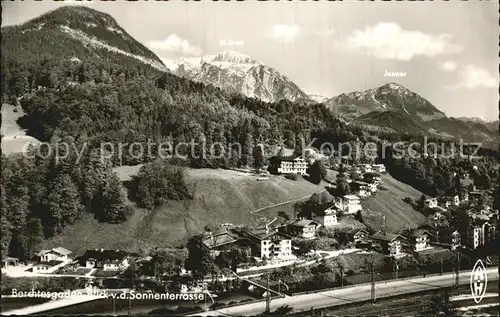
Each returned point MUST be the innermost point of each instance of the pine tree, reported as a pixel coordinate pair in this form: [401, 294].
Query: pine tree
[62, 204]
[32, 237]
[258, 157]
[113, 200]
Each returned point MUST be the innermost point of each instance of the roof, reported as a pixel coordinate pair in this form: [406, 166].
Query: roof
[284, 158]
[353, 232]
[263, 234]
[62, 251]
[218, 239]
[302, 222]
[58, 250]
[360, 182]
[8, 258]
[385, 236]
[351, 197]
[419, 232]
[104, 255]
[42, 252]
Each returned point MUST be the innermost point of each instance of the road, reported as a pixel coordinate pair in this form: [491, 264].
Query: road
[350, 295]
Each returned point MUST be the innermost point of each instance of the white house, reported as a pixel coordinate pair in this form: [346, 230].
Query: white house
[419, 239]
[108, 260]
[328, 218]
[431, 203]
[270, 243]
[372, 187]
[302, 228]
[56, 254]
[351, 204]
[456, 200]
[379, 168]
[41, 268]
[365, 168]
[296, 165]
[115, 265]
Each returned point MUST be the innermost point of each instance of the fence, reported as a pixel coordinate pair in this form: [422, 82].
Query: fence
[376, 282]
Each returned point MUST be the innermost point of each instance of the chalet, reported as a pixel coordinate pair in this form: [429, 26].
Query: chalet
[356, 174]
[372, 178]
[56, 254]
[327, 218]
[473, 238]
[379, 168]
[350, 204]
[301, 228]
[450, 236]
[108, 260]
[445, 201]
[287, 165]
[10, 262]
[220, 241]
[388, 243]
[361, 188]
[357, 236]
[269, 244]
[431, 203]
[365, 168]
[419, 240]
[464, 198]
[42, 268]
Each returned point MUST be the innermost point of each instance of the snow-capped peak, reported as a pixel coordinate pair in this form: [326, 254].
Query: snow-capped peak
[317, 97]
[231, 57]
[237, 72]
[477, 119]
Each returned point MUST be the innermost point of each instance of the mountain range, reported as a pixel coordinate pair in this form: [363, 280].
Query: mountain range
[238, 73]
[85, 35]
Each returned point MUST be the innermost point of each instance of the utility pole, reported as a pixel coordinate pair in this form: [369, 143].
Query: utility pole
[268, 297]
[441, 262]
[373, 283]
[342, 276]
[396, 268]
[457, 273]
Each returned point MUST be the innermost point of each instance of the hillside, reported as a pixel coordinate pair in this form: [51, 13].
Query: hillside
[221, 196]
[396, 121]
[399, 215]
[74, 31]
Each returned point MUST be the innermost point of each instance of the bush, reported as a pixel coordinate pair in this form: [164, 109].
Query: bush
[292, 176]
[158, 182]
[217, 305]
[187, 309]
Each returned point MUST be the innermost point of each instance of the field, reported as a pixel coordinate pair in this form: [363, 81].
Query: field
[221, 196]
[14, 138]
[389, 203]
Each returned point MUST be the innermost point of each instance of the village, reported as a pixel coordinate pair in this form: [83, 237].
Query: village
[314, 237]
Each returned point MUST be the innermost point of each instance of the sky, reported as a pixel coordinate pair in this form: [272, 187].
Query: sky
[448, 50]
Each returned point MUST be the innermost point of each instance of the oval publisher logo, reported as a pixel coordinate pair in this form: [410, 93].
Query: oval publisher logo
[478, 281]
